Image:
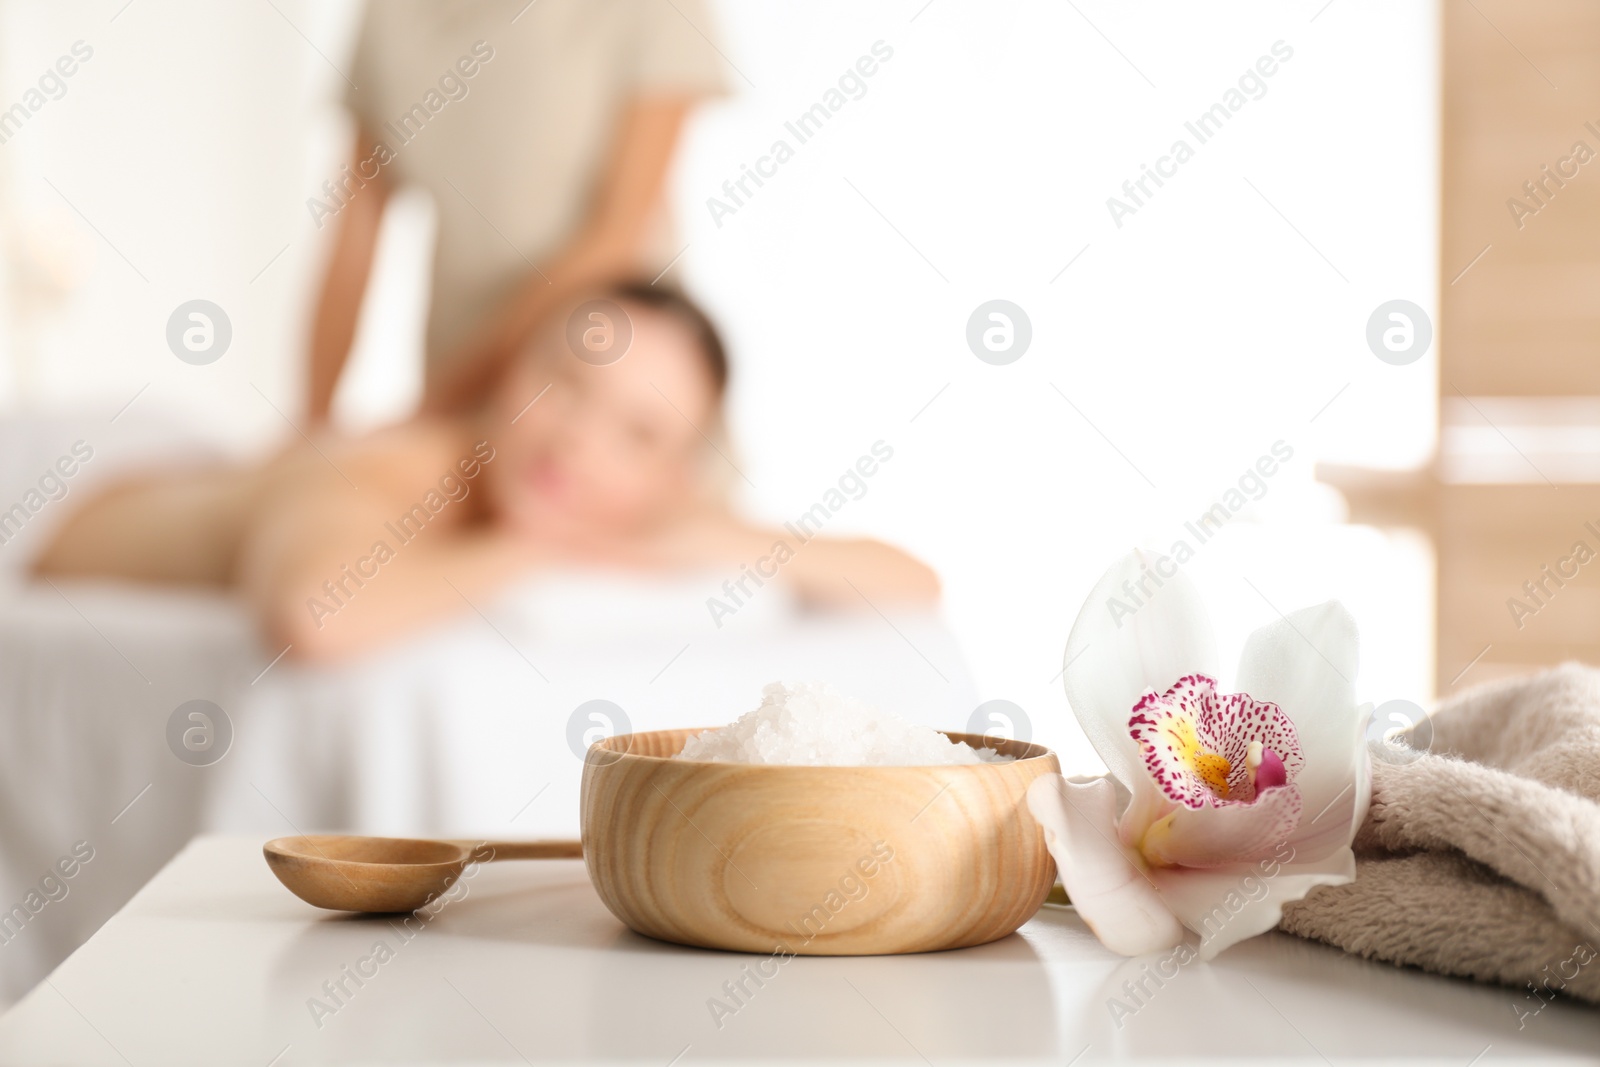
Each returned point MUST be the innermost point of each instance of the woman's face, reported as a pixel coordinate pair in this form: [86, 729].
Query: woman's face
[605, 450]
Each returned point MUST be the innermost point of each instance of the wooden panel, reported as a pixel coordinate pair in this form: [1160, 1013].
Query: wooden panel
[1493, 539]
[1525, 319]
[1489, 540]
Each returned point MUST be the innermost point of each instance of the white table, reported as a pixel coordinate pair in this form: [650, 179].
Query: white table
[214, 962]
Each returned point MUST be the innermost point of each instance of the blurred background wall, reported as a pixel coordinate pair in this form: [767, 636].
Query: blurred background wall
[1171, 347]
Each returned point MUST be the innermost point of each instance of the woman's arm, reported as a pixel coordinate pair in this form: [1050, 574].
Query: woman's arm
[842, 573]
[333, 328]
[331, 571]
[608, 245]
[830, 572]
[419, 585]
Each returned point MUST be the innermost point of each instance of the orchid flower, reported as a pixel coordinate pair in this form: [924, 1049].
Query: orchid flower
[1219, 807]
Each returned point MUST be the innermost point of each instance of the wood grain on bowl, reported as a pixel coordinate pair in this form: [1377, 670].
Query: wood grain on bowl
[813, 860]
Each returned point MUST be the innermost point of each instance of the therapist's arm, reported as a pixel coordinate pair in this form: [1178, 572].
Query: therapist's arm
[344, 285]
[608, 244]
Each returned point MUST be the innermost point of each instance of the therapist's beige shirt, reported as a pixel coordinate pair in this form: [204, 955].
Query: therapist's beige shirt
[513, 151]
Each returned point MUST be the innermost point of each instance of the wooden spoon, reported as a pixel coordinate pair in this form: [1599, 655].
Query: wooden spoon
[389, 874]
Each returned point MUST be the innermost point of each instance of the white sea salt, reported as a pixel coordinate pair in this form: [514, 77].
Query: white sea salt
[812, 724]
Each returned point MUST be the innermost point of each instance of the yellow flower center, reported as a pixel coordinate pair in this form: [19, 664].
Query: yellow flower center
[1208, 766]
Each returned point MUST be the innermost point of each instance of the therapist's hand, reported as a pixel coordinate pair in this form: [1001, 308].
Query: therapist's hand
[606, 247]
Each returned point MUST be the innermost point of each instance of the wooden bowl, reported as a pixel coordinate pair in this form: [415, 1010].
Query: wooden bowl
[821, 861]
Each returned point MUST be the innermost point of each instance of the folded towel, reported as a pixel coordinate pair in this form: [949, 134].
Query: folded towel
[1481, 858]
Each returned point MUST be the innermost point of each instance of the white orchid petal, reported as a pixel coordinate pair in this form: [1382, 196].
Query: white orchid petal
[1123, 644]
[1145, 805]
[1331, 827]
[1226, 905]
[1363, 786]
[1112, 895]
[1225, 834]
[1306, 664]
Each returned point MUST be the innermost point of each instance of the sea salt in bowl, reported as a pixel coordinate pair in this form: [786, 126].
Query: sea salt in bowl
[814, 860]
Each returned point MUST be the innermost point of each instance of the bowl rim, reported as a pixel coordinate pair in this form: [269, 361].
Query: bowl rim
[608, 745]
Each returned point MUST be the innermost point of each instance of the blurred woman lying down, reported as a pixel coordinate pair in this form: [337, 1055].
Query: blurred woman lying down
[344, 544]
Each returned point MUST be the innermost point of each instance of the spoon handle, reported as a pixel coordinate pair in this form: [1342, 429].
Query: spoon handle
[526, 850]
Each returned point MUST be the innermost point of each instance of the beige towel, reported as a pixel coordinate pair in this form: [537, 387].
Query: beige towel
[1481, 859]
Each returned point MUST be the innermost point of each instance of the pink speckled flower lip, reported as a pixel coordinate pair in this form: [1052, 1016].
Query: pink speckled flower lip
[1230, 754]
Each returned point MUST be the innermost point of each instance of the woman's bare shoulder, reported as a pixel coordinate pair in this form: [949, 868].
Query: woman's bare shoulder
[441, 441]
[395, 461]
